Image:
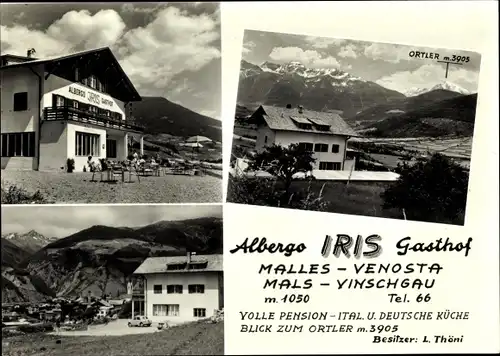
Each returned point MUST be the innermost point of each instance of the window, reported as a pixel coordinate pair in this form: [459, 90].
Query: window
[111, 148]
[176, 266]
[174, 289]
[84, 107]
[304, 126]
[265, 139]
[116, 116]
[323, 127]
[19, 144]
[21, 101]
[199, 312]
[335, 148]
[86, 144]
[157, 289]
[329, 166]
[201, 265]
[196, 288]
[321, 147]
[165, 309]
[58, 101]
[77, 75]
[92, 82]
[306, 146]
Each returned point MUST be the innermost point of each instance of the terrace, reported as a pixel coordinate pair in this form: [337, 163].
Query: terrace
[89, 117]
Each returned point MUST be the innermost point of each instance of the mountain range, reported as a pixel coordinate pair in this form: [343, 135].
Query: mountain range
[315, 89]
[446, 85]
[161, 116]
[100, 259]
[363, 104]
[30, 241]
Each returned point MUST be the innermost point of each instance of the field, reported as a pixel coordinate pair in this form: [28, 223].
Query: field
[190, 339]
[76, 187]
[452, 147]
[459, 149]
[357, 198]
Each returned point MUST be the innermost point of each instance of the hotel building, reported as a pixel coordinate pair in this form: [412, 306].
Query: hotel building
[68, 107]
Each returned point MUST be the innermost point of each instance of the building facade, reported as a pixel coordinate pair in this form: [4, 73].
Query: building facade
[325, 134]
[69, 107]
[181, 289]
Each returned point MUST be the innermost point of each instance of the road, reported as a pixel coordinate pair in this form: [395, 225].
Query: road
[114, 328]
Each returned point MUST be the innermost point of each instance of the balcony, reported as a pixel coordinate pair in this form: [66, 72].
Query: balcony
[88, 117]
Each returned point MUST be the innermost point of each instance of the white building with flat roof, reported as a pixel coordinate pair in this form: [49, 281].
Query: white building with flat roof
[180, 289]
[68, 107]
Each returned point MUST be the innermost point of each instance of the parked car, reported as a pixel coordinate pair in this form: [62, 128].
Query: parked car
[140, 321]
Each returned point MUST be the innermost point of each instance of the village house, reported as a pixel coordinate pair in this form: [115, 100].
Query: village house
[324, 133]
[181, 288]
[68, 107]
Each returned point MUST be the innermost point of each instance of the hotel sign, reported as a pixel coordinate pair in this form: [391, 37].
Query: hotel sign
[92, 97]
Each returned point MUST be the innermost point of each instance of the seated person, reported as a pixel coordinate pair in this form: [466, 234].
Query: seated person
[91, 164]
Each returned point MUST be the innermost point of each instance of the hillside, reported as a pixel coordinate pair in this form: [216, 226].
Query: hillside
[407, 104]
[161, 116]
[19, 284]
[453, 117]
[100, 259]
[12, 254]
[315, 89]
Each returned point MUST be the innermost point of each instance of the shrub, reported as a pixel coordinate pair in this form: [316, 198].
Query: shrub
[434, 190]
[16, 195]
[270, 192]
[30, 329]
[126, 311]
[70, 165]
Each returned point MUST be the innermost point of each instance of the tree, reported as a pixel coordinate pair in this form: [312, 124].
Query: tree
[434, 190]
[283, 162]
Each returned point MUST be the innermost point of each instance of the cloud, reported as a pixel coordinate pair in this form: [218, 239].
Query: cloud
[175, 41]
[309, 58]
[348, 51]
[74, 31]
[131, 8]
[386, 52]
[323, 42]
[172, 43]
[248, 47]
[429, 75]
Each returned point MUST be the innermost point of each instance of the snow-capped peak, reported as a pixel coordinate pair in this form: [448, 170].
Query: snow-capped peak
[445, 85]
[311, 76]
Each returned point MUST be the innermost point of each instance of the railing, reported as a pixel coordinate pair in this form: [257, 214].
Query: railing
[73, 114]
[138, 292]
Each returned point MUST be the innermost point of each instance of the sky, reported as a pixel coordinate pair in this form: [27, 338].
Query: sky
[62, 221]
[386, 64]
[167, 49]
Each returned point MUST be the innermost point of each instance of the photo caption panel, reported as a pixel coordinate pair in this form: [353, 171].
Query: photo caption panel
[317, 283]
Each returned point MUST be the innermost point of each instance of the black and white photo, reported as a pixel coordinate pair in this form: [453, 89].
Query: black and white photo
[111, 103]
[354, 127]
[112, 279]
